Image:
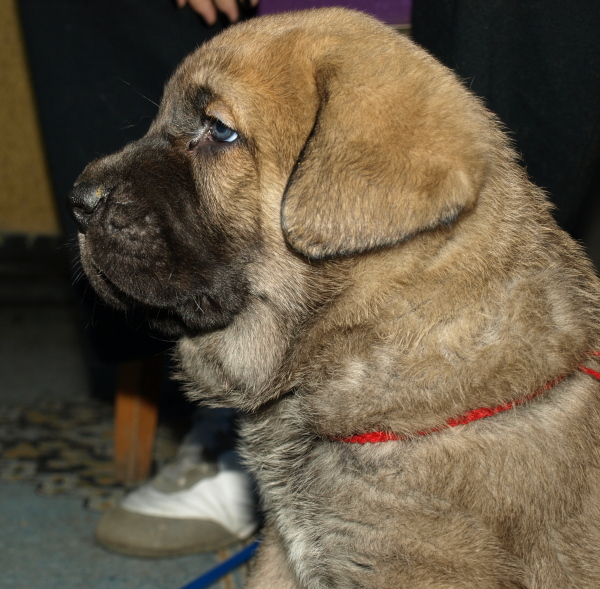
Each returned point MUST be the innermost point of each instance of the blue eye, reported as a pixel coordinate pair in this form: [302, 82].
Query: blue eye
[221, 132]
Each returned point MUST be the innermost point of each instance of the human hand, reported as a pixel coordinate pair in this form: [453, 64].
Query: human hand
[207, 9]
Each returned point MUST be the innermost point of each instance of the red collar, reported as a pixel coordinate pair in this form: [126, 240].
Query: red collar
[473, 415]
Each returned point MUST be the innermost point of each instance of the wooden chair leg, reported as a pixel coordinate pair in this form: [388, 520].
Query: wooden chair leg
[136, 417]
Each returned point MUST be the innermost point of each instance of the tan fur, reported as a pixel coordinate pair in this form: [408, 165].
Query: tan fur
[406, 272]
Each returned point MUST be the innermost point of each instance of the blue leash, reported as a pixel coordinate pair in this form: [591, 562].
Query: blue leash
[223, 568]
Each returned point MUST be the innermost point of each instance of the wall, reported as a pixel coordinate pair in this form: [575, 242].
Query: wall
[26, 202]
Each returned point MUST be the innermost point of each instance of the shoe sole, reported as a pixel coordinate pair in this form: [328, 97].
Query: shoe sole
[134, 534]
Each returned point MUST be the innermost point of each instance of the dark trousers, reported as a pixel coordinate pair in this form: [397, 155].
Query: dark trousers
[536, 63]
[98, 70]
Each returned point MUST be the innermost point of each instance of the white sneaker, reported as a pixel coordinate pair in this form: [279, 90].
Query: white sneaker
[192, 505]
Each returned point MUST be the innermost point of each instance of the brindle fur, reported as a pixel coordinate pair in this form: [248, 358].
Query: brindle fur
[367, 256]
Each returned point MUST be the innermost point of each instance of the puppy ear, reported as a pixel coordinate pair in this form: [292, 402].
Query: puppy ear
[393, 152]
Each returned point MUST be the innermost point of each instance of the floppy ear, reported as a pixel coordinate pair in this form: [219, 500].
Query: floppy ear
[391, 154]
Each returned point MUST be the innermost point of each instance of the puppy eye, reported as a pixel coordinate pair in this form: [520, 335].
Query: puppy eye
[215, 131]
[221, 132]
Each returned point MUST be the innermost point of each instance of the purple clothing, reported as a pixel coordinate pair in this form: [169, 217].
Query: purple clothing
[394, 12]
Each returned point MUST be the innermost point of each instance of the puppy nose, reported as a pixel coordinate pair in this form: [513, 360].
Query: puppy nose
[83, 200]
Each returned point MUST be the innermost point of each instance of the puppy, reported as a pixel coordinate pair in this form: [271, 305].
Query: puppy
[340, 237]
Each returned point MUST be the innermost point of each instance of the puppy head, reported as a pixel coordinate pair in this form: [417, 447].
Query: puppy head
[322, 130]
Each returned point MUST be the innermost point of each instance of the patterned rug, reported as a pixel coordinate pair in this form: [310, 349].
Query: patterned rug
[65, 448]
